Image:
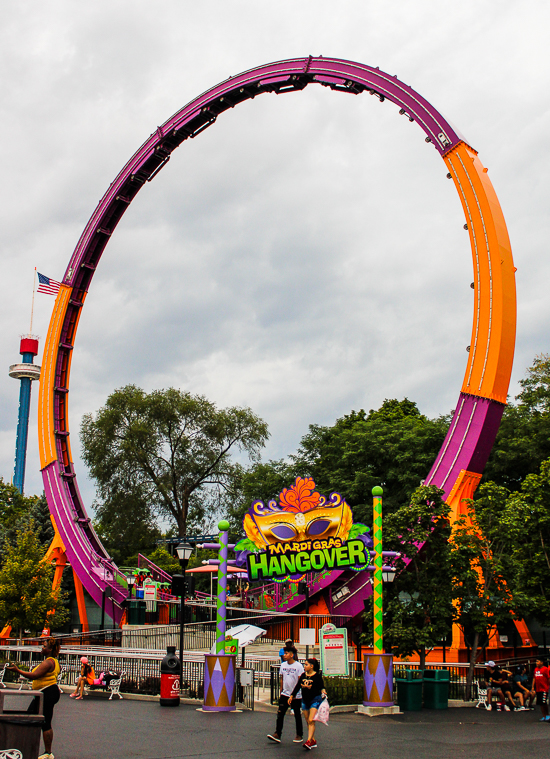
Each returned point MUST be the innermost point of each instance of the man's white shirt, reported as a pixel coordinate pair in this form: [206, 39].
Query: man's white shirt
[290, 674]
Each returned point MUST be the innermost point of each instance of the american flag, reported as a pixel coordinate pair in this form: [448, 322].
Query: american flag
[46, 285]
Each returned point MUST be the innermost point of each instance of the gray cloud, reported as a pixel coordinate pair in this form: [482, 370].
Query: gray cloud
[306, 255]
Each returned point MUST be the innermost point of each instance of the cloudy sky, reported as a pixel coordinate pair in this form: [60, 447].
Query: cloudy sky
[304, 257]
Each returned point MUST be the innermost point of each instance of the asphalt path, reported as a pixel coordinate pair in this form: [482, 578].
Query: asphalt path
[101, 729]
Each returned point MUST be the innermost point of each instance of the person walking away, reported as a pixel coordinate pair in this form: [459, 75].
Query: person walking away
[313, 691]
[290, 672]
[87, 675]
[289, 643]
[540, 684]
[44, 678]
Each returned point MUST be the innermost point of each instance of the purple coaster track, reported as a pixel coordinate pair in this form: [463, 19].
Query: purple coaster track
[476, 420]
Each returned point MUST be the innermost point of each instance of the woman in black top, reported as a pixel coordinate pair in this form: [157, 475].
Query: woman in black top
[313, 691]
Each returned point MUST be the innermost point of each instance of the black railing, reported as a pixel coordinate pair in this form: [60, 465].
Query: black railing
[344, 687]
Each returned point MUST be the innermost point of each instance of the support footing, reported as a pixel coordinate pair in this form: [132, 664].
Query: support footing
[377, 711]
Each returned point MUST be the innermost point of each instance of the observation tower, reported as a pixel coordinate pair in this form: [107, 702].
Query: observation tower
[25, 372]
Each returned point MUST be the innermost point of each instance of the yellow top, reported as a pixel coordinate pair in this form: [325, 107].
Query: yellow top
[49, 679]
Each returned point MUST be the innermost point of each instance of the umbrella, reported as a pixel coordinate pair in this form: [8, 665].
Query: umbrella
[213, 569]
[245, 634]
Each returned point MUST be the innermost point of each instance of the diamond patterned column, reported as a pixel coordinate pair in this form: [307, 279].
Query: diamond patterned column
[378, 680]
[219, 682]
[377, 582]
[221, 607]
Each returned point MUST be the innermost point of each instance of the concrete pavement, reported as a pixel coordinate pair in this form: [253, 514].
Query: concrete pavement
[99, 729]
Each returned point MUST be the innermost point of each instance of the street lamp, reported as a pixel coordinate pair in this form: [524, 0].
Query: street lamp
[130, 579]
[184, 551]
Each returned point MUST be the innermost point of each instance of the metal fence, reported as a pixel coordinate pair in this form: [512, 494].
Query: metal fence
[197, 635]
[141, 669]
[458, 674]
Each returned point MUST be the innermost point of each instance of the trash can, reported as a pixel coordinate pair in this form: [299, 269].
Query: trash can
[21, 720]
[136, 612]
[170, 674]
[409, 690]
[436, 688]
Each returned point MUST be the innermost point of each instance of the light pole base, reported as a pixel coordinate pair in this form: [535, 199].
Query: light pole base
[378, 680]
[376, 711]
[219, 682]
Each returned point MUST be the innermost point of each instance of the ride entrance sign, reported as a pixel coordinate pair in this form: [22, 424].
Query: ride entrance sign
[333, 643]
[303, 532]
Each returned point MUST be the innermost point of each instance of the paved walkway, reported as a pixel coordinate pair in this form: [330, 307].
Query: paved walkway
[99, 729]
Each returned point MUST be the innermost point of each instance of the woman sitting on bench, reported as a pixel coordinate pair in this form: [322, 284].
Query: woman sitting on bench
[87, 675]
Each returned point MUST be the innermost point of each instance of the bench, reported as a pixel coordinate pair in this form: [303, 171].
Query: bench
[113, 686]
[22, 680]
[482, 698]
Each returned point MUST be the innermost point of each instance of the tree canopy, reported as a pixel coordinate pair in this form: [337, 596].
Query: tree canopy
[26, 596]
[393, 446]
[161, 450]
[523, 439]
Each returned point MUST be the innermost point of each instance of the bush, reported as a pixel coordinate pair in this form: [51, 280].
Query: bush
[344, 690]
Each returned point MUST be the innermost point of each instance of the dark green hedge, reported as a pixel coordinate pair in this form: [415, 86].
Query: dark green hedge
[344, 690]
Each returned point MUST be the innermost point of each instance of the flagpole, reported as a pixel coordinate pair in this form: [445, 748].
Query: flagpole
[33, 292]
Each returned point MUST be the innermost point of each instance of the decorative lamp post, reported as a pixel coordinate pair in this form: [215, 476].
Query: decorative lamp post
[130, 579]
[378, 666]
[184, 551]
[219, 668]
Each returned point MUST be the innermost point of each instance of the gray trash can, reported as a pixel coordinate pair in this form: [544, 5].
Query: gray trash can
[21, 720]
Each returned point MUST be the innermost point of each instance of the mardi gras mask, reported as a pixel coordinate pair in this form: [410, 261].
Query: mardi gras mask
[301, 514]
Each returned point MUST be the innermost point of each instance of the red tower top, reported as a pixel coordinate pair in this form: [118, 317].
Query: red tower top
[29, 345]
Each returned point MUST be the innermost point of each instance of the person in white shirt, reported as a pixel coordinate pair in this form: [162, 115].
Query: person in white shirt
[290, 672]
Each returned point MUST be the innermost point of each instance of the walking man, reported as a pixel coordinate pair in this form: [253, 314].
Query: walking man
[290, 672]
[540, 684]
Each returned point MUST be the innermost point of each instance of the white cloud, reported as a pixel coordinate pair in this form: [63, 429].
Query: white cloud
[306, 255]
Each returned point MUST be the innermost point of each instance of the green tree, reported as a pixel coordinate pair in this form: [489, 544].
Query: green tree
[418, 604]
[164, 560]
[13, 505]
[480, 562]
[170, 445]
[17, 512]
[523, 439]
[526, 518]
[264, 481]
[26, 596]
[394, 446]
[125, 524]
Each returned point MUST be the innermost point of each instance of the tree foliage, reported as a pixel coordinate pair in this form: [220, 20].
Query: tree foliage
[167, 447]
[523, 439]
[126, 524]
[17, 512]
[26, 596]
[393, 446]
[525, 516]
[481, 563]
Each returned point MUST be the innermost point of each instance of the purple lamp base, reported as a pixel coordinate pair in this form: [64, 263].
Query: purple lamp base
[219, 683]
[378, 680]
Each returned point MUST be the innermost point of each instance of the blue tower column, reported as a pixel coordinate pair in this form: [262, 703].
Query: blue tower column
[25, 372]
